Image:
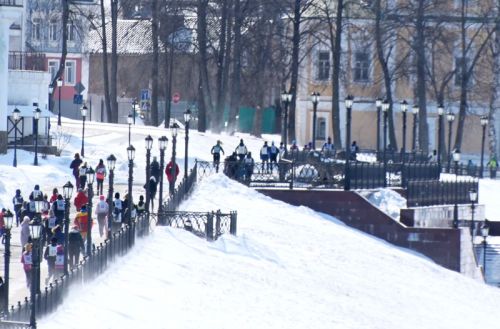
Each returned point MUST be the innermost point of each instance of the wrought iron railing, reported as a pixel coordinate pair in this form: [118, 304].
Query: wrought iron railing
[181, 192]
[432, 192]
[209, 225]
[16, 3]
[102, 255]
[19, 60]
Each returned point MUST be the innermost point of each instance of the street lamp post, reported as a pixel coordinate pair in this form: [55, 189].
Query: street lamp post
[449, 117]
[404, 109]
[111, 161]
[59, 86]
[440, 132]
[484, 123]
[8, 220]
[35, 230]
[286, 98]
[90, 180]
[130, 200]
[83, 110]
[130, 120]
[473, 200]
[36, 115]
[162, 143]
[347, 178]
[49, 103]
[378, 105]
[134, 108]
[385, 109]
[485, 231]
[149, 145]
[315, 100]
[187, 118]
[16, 115]
[456, 159]
[415, 110]
[67, 192]
[173, 129]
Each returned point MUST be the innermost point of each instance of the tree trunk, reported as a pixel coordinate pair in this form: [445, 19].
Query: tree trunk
[297, 17]
[203, 62]
[169, 72]
[64, 48]
[105, 72]
[336, 44]
[236, 74]
[155, 64]
[423, 129]
[113, 94]
[385, 70]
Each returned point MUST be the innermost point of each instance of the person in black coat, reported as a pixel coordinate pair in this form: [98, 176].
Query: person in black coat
[155, 170]
[75, 246]
[151, 189]
[75, 166]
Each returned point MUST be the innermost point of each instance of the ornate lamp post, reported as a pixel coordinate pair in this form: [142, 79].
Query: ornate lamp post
[67, 193]
[90, 180]
[8, 218]
[51, 90]
[162, 143]
[404, 109]
[378, 105]
[286, 98]
[415, 110]
[187, 118]
[449, 117]
[456, 159]
[485, 231]
[131, 156]
[315, 100]
[36, 116]
[385, 109]
[348, 105]
[173, 130]
[59, 86]
[130, 120]
[440, 132]
[83, 110]
[16, 115]
[35, 231]
[149, 145]
[484, 123]
[111, 161]
[473, 200]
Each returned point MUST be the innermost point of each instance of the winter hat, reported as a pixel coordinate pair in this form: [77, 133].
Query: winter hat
[18, 191]
[102, 198]
[53, 240]
[37, 187]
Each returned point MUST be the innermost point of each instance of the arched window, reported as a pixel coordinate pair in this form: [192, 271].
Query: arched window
[321, 129]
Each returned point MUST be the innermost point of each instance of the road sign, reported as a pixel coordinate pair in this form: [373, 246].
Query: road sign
[176, 98]
[145, 95]
[77, 99]
[79, 87]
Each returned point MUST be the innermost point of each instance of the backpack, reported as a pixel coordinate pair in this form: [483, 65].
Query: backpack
[60, 205]
[102, 207]
[52, 251]
[82, 171]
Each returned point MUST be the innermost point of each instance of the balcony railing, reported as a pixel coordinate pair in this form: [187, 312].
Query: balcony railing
[17, 3]
[26, 61]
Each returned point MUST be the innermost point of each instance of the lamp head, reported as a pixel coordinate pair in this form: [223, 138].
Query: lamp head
[440, 109]
[456, 156]
[36, 113]
[149, 142]
[84, 110]
[187, 116]
[111, 160]
[404, 106]
[131, 152]
[8, 218]
[473, 195]
[162, 142]
[450, 116]
[90, 173]
[385, 105]
[173, 129]
[415, 109]
[16, 114]
[59, 82]
[378, 102]
[348, 101]
[67, 190]
[484, 120]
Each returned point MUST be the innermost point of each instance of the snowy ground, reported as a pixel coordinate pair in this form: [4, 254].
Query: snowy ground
[289, 267]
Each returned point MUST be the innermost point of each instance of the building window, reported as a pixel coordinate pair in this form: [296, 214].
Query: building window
[36, 29]
[458, 70]
[53, 67]
[71, 32]
[361, 66]
[323, 66]
[70, 73]
[53, 30]
[321, 129]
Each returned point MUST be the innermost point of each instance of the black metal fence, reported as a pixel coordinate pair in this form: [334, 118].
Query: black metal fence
[394, 156]
[19, 60]
[102, 255]
[432, 192]
[17, 3]
[182, 190]
[209, 225]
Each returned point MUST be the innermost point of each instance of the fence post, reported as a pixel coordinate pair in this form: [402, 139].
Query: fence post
[209, 228]
[293, 174]
[233, 222]
[217, 224]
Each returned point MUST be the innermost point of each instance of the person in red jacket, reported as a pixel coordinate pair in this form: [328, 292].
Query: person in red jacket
[80, 199]
[54, 195]
[170, 177]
